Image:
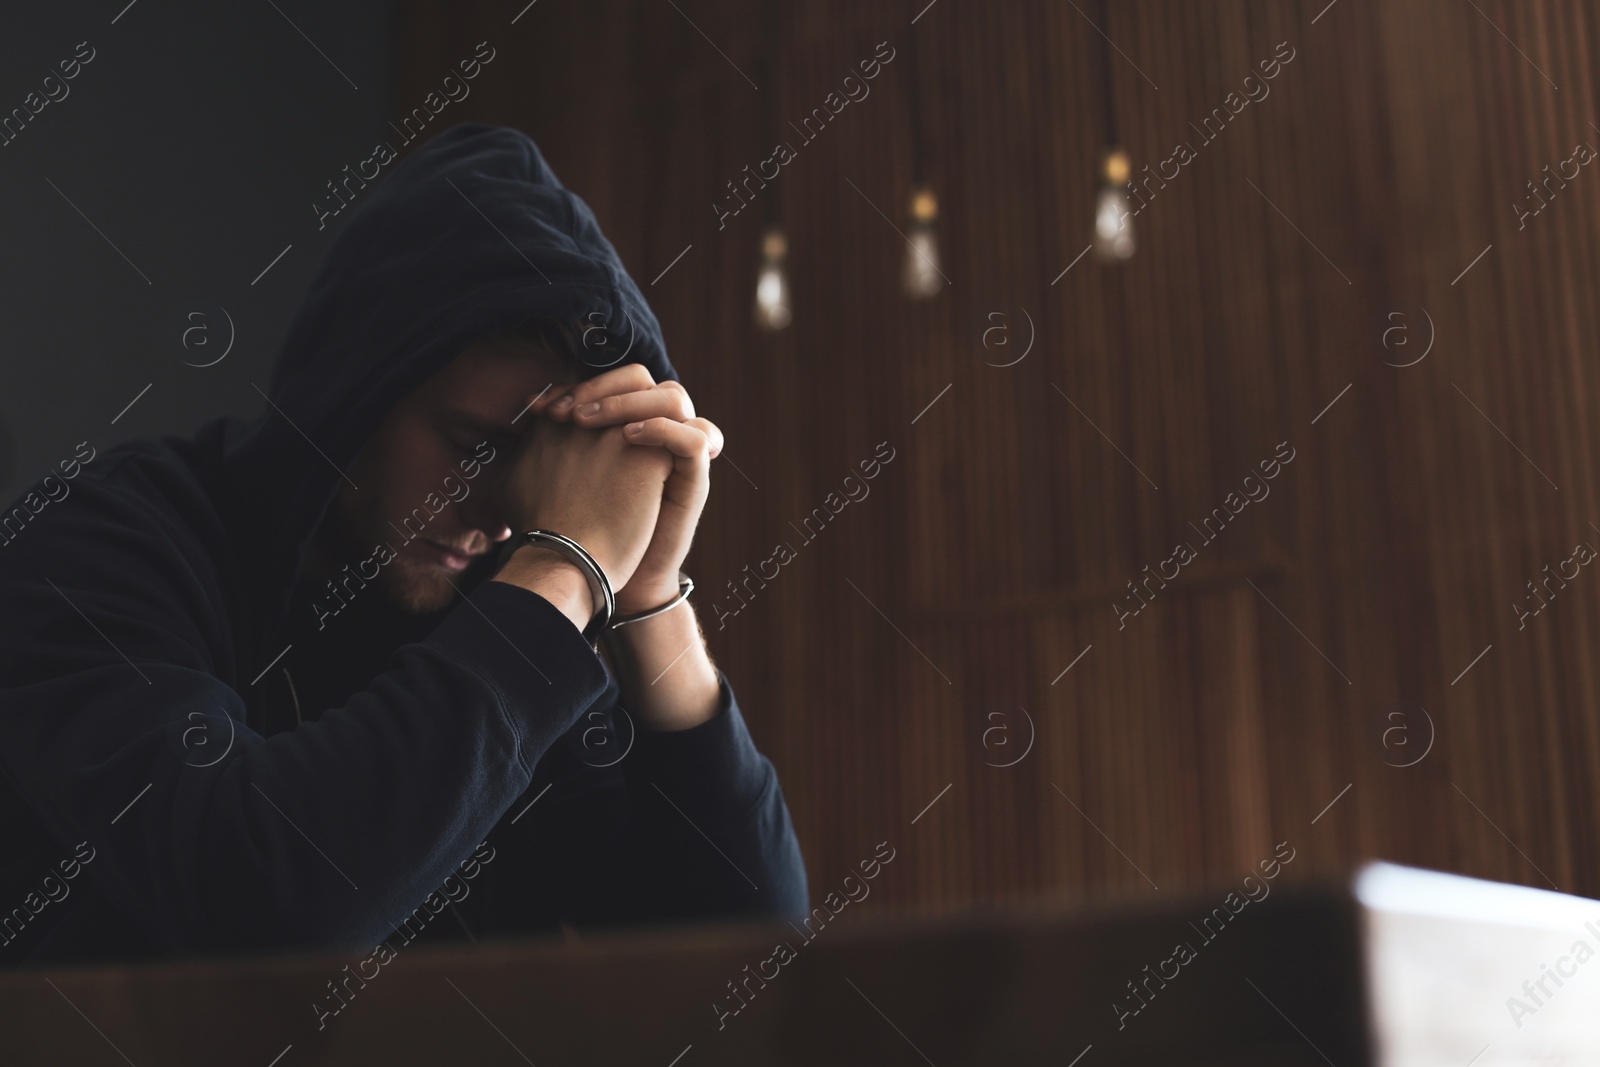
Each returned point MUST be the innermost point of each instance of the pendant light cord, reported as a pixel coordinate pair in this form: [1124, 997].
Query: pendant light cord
[1108, 110]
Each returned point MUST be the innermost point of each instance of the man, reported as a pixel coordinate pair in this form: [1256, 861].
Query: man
[272, 687]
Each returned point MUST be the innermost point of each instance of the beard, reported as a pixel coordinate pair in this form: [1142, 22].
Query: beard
[415, 586]
[410, 582]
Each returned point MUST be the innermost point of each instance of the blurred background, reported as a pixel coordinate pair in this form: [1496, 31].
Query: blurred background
[1372, 273]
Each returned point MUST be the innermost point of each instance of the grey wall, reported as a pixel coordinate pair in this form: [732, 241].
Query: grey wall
[195, 140]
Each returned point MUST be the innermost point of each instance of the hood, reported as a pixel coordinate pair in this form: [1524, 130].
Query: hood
[466, 237]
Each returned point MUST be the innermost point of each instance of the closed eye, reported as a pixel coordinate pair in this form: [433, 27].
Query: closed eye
[468, 435]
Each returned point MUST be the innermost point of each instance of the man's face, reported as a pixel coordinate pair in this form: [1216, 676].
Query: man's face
[416, 494]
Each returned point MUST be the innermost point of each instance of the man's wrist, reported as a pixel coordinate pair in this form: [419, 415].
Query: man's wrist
[553, 576]
[636, 597]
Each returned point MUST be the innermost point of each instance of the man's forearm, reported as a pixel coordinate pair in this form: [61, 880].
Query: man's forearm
[667, 679]
[661, 663]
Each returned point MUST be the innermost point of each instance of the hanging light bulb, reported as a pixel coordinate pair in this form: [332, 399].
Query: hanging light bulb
[1113, 219]
[922, 278]
[772, 285]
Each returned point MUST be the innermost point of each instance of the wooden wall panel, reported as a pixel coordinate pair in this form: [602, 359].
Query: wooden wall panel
[1253, 691]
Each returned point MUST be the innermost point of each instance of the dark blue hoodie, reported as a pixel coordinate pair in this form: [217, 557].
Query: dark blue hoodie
[175, 782]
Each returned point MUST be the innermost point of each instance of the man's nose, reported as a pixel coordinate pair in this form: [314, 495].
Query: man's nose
[478, 512]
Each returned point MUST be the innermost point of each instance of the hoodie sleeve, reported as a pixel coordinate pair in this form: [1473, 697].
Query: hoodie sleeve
[115, 646]
[708, 831]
